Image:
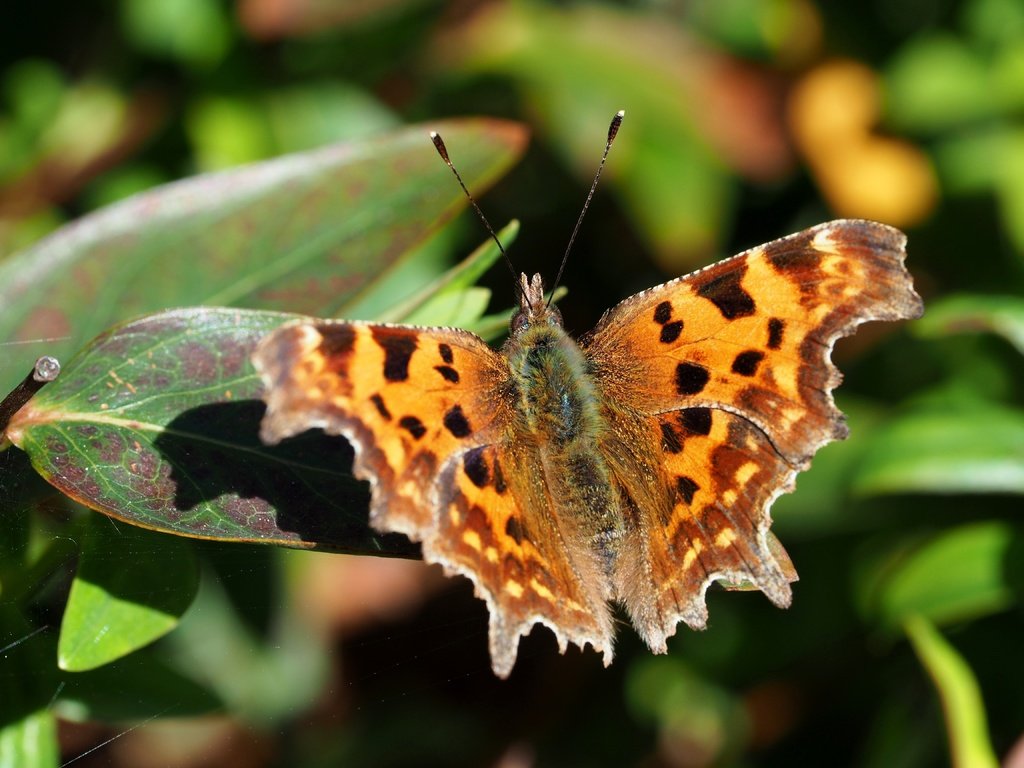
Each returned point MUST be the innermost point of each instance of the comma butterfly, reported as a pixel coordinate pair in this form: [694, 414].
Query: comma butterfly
[637, 465]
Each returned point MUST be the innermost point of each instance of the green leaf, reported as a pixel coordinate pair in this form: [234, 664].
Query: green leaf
[1010, 186]
[314, 112]
[961, 698]
[26, 573]
[959, 574]
[156, 423]
[463, 276]
[304, 232]
[1002, 315]
[971, 450]
[136, 687]
[998, 23]
[937, 82]
[187, 408]
[30, 742]
[247, 671]
[28, 730]
[192, 32]
[969, 163]
[130, 589]
[453, 308]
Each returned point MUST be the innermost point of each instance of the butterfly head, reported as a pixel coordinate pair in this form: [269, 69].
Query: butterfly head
[533, 308]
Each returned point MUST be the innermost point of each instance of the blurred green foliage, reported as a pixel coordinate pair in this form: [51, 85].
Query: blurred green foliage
[746, 120]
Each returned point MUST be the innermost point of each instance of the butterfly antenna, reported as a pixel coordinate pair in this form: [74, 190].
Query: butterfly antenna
[613, 130]
[442, 150]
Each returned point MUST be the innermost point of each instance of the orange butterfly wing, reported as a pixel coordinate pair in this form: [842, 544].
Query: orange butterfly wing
[730, 365]
[427, 411]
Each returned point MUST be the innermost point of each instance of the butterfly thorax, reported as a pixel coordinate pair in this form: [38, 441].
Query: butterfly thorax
[559, 415]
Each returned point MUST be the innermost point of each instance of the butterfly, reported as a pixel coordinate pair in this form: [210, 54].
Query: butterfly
[634, 466]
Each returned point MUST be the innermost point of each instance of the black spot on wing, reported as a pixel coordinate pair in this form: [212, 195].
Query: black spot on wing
[663, 312]
[499, 477]
[455, 422]
[793, 257]
[745, 363]
[726, 293]
[382, 409]
[336, 339]
[448, 373]
[775, 329]
[670, 442]
[691, 378]
[670, 331]
[514, 529]
[696, 420]
[398, 346]
[474, 464]
[446, 353]
[336, 345]
[413, 426]
[687, 488]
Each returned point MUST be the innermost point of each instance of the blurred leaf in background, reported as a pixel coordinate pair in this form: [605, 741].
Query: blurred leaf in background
[746, 120]
[696, 118]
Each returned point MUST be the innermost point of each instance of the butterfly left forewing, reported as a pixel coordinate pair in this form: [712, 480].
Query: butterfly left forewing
[407, 398]
[730, 367]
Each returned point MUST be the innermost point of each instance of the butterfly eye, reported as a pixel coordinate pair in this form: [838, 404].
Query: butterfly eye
[519, 321]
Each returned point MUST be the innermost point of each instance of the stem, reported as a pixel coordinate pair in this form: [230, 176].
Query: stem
[46, 369]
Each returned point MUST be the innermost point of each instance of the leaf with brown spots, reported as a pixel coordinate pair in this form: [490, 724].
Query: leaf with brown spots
[156, 423]
[636, 467]
[264, 236]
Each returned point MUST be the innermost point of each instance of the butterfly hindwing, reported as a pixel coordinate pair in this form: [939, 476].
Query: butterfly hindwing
[496, 527]
[724, 475]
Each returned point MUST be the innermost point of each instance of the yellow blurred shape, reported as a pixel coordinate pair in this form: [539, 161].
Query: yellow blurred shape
[879, 178]
[833, 104]
[832, 112]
